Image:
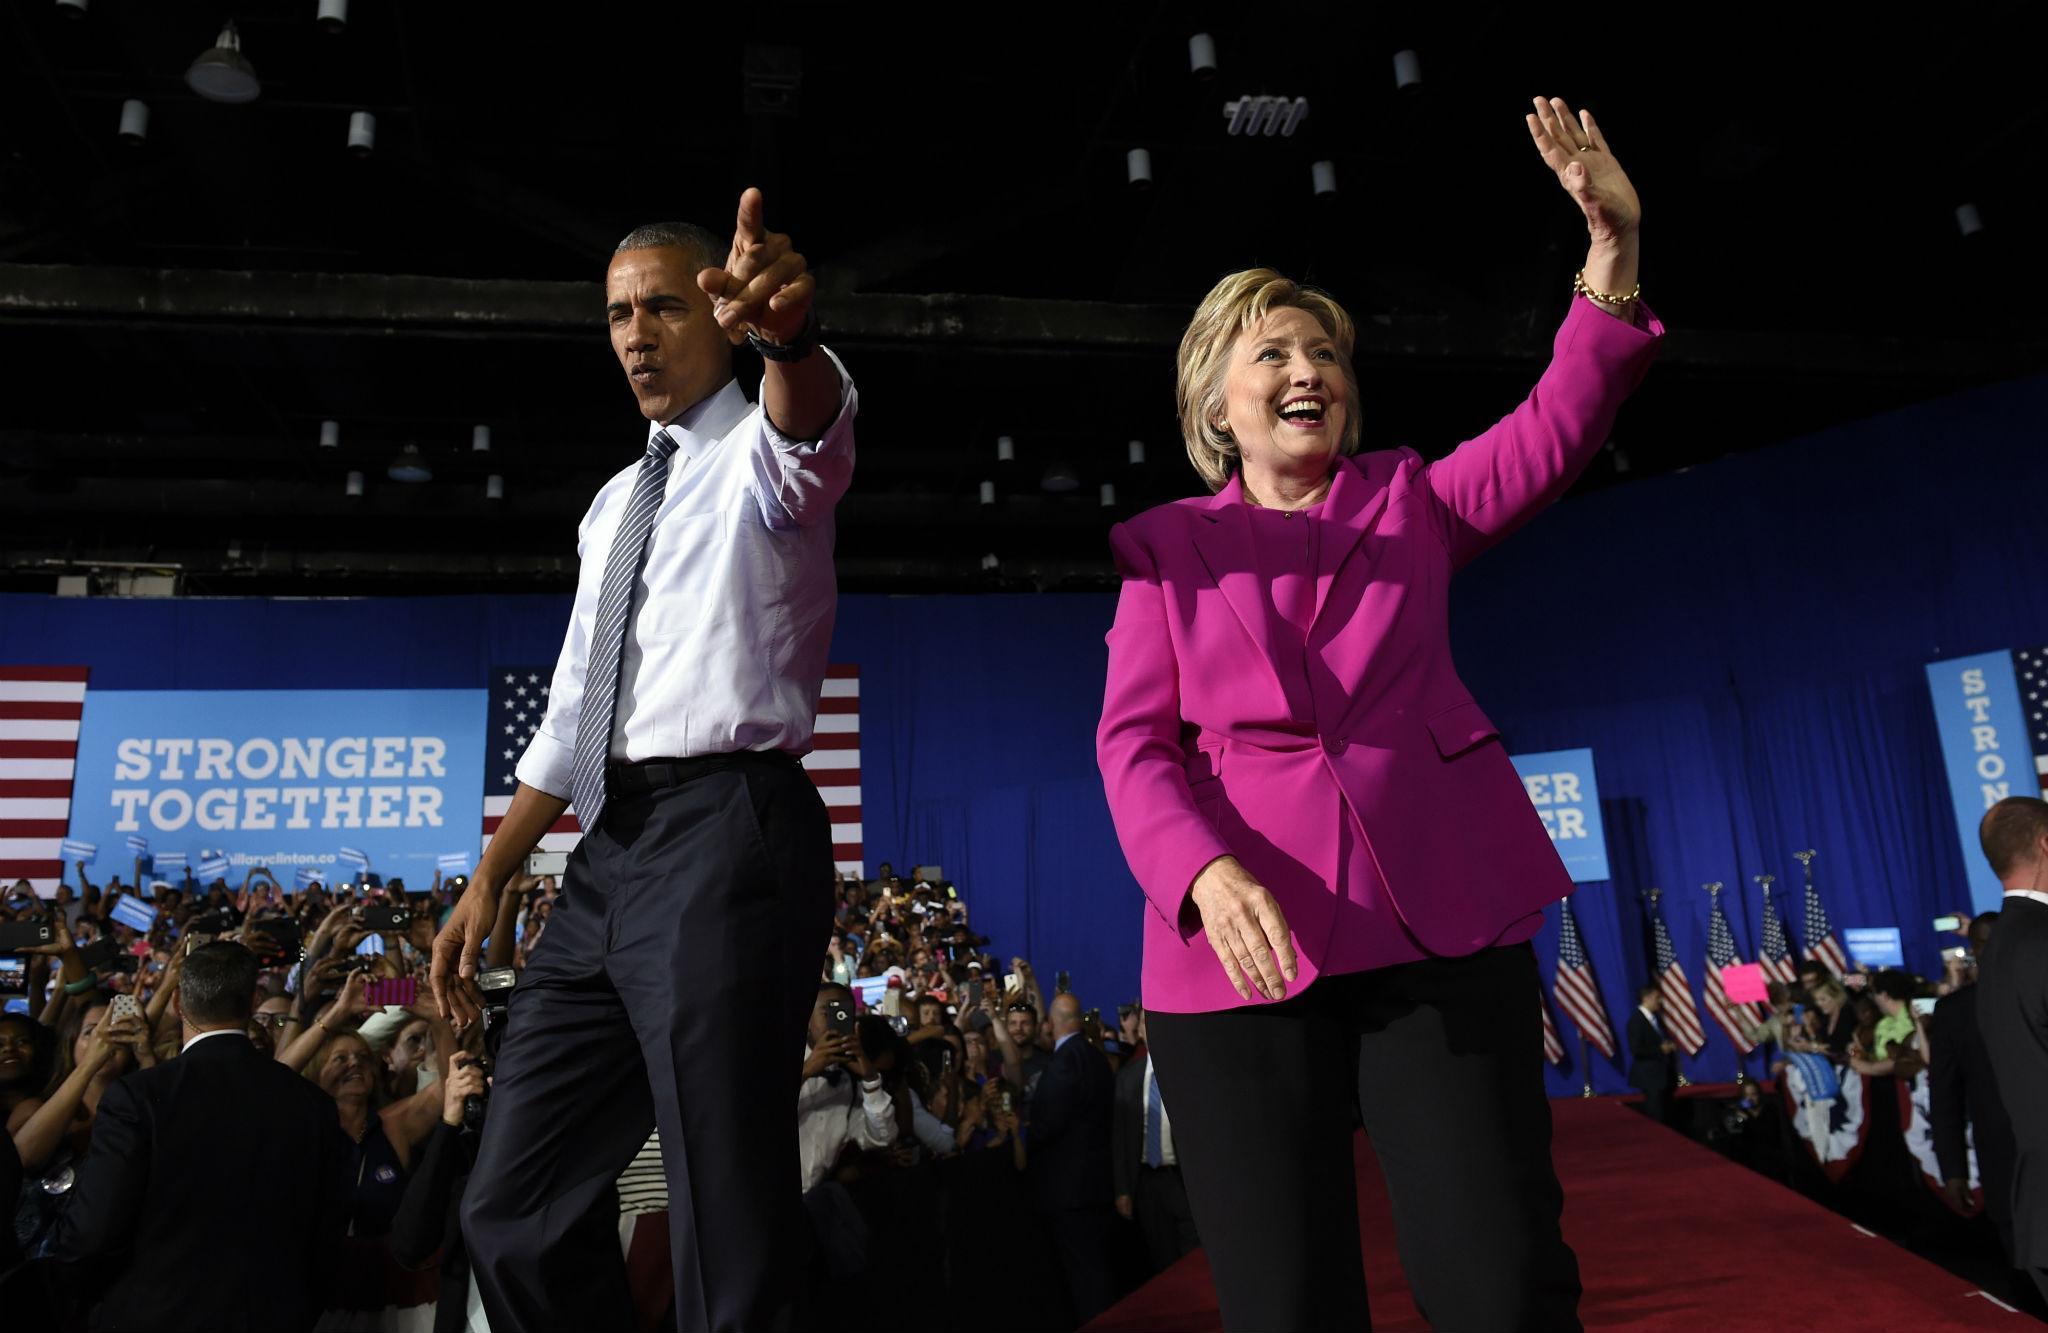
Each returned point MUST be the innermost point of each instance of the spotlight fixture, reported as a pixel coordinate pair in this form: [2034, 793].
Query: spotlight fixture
[1265, 115]
[355, 484]
[1968, 220]
[1137, 453]
[480, 439]
[330, 434]
[1138, 164]
[989, 562]
[1407, 69]
[1006, 449]
[134, 123]
[362, 133]
[224, 74]
[1109, 495]
[1202, 56]
[494, 487]
[1324, 174]
[988, 492]
[333, 15]
[409, 466]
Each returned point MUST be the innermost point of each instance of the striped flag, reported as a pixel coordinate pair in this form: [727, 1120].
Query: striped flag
[40, 708]
[518, 699]
[1681, 1018]
[1821, 943]
[1721, 953]
[80, 853]
[354, 856]
[1576, 993]
[1775, 955]
[1553, 1049]
[138, 844]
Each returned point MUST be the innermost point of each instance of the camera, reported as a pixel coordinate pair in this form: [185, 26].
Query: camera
[384, 918]
[496, 984]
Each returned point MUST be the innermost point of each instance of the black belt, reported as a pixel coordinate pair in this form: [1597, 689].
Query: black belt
[626, 779]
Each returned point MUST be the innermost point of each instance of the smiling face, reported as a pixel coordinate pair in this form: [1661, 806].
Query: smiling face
[414, 1044]
[17, 1051]
[673, 352]
[346, 1071]
[1285, 395]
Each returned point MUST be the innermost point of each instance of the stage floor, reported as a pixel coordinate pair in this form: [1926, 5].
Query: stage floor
[1669, 1236]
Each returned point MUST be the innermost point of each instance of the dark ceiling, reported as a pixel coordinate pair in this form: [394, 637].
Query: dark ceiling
[957, 179]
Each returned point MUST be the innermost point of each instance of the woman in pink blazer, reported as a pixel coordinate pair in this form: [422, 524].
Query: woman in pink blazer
[1342, 867]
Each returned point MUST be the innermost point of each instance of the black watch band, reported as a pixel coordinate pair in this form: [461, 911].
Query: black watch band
[796, 349]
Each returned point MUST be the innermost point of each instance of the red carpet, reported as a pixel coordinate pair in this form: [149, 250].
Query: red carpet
[1669, 1236]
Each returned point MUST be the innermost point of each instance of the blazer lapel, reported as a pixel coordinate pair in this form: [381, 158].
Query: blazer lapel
[1354, 505]
[1224, 541]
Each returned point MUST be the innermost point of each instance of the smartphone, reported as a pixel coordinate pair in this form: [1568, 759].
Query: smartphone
[1950, 922]
[547, 863]
[1062, 985]
[122, 1007]
[362, 962]
[1011, 981]
[974, 993]
[13, 976]
[402, 991]
[839, 1016]
[1006, 1101]
[1923, 1004]
[1958, 953]
[385, 918]
[18, 935]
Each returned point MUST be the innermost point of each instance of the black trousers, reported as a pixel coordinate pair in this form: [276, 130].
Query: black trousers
[673, 988]
[1442, 1061]
[1159, 1205]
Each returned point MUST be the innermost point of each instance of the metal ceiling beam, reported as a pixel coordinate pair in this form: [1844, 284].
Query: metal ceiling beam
[416, 306]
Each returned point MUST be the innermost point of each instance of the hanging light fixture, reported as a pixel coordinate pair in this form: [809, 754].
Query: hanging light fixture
[480, 439]
[330, 434]
[134, 122]
[494, 487]
[224, 74]
[409, 466]
[332, 15]
[354, 485]
[362, 133]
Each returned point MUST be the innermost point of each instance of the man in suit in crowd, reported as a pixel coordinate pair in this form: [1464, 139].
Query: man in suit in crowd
[2012, 1011]
[1069, 1153]
[1966, 1108]
[1149, 1189]
[215, 1193]
[1651, 1067]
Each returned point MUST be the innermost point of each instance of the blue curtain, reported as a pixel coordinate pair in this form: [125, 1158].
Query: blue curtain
[1741, 645]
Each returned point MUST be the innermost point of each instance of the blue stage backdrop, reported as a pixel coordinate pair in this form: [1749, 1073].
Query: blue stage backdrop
[1742, 646]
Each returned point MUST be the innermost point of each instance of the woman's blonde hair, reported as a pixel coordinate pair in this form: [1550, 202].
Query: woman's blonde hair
[1232, 306]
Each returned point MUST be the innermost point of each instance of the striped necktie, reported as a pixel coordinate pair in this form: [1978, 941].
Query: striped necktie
[608, 633]
[1155, 1120]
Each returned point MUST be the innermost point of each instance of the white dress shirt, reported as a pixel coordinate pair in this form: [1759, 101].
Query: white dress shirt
[1167, 1156]
[829, 1116]
[213, 1032]
[731, 620]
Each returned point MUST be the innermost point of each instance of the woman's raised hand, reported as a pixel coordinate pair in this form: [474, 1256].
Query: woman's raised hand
[1246, 929]
[1574, 148]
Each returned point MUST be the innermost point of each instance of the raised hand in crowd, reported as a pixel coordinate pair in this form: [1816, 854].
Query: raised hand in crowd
[465, 1080]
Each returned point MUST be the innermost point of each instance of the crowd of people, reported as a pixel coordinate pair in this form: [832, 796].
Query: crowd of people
[957, 1084]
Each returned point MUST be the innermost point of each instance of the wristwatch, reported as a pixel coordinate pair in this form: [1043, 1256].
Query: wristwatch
[796, 349]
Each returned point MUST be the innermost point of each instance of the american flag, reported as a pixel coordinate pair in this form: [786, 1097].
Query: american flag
[1575, 991]
[1553, 1049]
[1681, 1019]
[518, 698]
[40, 708]
[1821, 943]
[1774, 954]
[1721, 953]
[2032, 666]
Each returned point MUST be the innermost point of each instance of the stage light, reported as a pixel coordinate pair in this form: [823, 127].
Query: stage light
[1292, 122]
[1324, 174]
[1202, 56]
[479, 439]
[134, 123]
[333, 15]
[1138, 165]
[409, 466]
[1059, 479]
[1968, 220]
[989, 561]
[71, 9]
[355, 484]
[1137, 453]
[1265, 115]
[362, 133]
[234, 548]
[1109, 495]
[224, 74]
[1407, 69]
[330, 434]
[1006, 449]
[988, 492]
[494, 487]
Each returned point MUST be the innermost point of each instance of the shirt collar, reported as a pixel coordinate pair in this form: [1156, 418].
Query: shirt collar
[704, 423]
[2035, 894]
[1064, 1040]
[216, 1032]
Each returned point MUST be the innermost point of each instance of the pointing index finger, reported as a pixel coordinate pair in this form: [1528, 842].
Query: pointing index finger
[748, 228]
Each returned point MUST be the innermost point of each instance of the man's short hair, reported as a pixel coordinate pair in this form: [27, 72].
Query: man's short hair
[2011, 831]
[836, 988]
[705, 250]
[1894, 985]
[1645, 992]
[218, 984]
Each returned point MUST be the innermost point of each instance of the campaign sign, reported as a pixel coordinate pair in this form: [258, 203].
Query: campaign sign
[1561, 786]
[1743, 983]
[1986, 750]
[1875, 946]
[282, 778]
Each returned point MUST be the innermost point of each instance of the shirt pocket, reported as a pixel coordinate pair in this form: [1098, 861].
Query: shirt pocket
[687, 574]
[1459, 728]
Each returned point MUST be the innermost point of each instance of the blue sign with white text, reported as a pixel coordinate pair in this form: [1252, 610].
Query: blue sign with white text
[1985, 747]
[282, 778]
[1874, 946]
[1561, 786]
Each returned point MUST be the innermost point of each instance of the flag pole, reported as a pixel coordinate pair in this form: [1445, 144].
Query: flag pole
[1654, 896]
[1586, 1066]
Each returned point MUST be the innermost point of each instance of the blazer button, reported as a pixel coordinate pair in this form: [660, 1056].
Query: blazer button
[1334, 745]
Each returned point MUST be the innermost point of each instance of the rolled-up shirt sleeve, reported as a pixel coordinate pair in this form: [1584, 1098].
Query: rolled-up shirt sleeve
[550, 756]
[801, 480]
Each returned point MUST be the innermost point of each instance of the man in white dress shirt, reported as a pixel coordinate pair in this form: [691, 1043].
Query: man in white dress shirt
[686, 692]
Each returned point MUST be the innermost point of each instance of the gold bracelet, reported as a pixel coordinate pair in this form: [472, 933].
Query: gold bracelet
[1579, 286]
